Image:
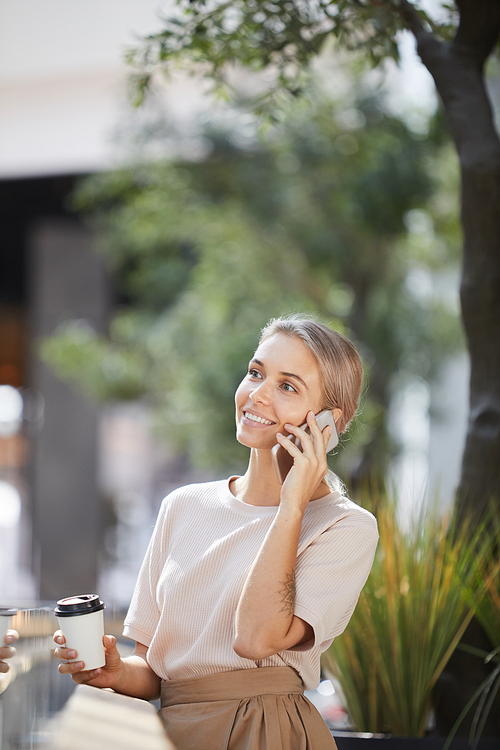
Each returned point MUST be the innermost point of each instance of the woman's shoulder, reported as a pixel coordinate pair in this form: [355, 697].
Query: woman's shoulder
[354, 515]
[337, 516]
[340, 513]
[337, 505]
[353, 510]
[196, 492]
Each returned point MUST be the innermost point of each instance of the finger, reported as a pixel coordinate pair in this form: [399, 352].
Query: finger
[111, 650]
[11, 636]
[7, 652]
[4, 667]
[86, 677]
[59, 637]
[306, 441]
[65, 653]
[317, 434]
[320, 437]
[315, 444]
[288, 444]
[71, 667]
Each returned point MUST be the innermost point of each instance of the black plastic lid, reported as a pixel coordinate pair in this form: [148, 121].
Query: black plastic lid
[8, 612]
[83, 604]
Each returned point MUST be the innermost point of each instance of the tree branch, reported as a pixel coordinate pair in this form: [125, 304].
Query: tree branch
[430, 49]
[478, 29]
[457, 69]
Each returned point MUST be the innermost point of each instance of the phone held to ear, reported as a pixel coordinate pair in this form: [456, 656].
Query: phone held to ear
[283, 461]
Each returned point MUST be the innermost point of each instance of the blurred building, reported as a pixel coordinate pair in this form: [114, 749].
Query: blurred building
[62, 92]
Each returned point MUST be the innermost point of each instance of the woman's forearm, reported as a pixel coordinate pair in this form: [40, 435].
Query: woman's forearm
[265, 623]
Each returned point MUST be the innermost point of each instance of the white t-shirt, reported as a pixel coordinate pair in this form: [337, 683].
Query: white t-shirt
[203, 545]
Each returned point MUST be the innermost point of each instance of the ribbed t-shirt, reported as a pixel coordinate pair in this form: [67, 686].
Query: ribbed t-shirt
[203, 545]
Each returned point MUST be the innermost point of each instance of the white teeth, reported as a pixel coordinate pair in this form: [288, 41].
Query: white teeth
[254, 418]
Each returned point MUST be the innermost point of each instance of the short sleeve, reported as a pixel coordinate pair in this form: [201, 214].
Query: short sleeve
[330, 574]
[143, 614]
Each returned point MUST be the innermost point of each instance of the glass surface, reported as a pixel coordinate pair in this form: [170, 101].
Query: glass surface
[33, 690]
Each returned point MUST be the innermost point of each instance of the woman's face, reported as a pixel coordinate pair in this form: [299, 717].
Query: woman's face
[283, 383]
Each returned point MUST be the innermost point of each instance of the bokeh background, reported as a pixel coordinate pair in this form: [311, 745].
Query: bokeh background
[142, 249]
[156, 273]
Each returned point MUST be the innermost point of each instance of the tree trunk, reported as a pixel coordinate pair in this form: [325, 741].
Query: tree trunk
[458, 71]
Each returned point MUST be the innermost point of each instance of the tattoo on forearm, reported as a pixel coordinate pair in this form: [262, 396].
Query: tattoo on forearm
[287, 593]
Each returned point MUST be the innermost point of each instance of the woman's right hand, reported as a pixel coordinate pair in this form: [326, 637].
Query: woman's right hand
[104, 677]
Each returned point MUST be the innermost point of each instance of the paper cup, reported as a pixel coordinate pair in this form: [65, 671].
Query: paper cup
[5, 622]
[81, 619]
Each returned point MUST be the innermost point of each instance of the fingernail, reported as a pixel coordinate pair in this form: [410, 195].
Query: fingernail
[59, 639]
[78, 664]
[279, 434]
[9, 638]
[71, 654]
[96, 672]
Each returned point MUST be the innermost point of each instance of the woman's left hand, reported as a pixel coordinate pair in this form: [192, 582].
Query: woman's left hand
[7, 651]
[309, 464]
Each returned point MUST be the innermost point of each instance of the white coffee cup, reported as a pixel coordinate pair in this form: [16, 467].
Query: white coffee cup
[81, 619]
[5, 622]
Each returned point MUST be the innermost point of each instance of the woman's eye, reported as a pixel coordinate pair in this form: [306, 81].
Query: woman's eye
[254, 373]
[288, 387]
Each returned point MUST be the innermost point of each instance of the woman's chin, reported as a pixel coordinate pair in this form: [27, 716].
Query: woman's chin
[256, 441]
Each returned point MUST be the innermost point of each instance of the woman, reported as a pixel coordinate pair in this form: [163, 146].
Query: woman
[247, 581]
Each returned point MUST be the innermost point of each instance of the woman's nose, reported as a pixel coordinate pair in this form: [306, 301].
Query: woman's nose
[261, 394]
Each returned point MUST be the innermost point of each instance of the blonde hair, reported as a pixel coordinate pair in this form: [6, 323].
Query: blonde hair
[339, 362]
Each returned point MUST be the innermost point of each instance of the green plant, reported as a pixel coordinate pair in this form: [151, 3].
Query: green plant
[488, 611]
[488, 614]
[485, 695]
[409, 619]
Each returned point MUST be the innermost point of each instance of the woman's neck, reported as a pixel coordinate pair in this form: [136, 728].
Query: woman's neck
[259, 485]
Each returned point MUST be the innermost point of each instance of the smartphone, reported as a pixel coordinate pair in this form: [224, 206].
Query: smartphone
[283, 461]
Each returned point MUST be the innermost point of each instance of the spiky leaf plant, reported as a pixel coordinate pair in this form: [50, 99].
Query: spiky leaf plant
[409, 619]
[488, 614]
[488, 611]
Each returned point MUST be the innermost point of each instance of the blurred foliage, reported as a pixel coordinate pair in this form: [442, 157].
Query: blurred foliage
[278, 36]
[189, 355]
[488, 612]
[423, 590]
[334, 210]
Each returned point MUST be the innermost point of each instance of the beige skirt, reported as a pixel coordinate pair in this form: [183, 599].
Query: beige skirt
[251, 709]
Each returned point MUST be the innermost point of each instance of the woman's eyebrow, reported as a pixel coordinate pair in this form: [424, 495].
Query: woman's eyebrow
[297, 377]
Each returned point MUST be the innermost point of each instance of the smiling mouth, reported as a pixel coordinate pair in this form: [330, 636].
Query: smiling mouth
[254, 418]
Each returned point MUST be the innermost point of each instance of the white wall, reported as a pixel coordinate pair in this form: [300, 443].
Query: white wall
[62, 80]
